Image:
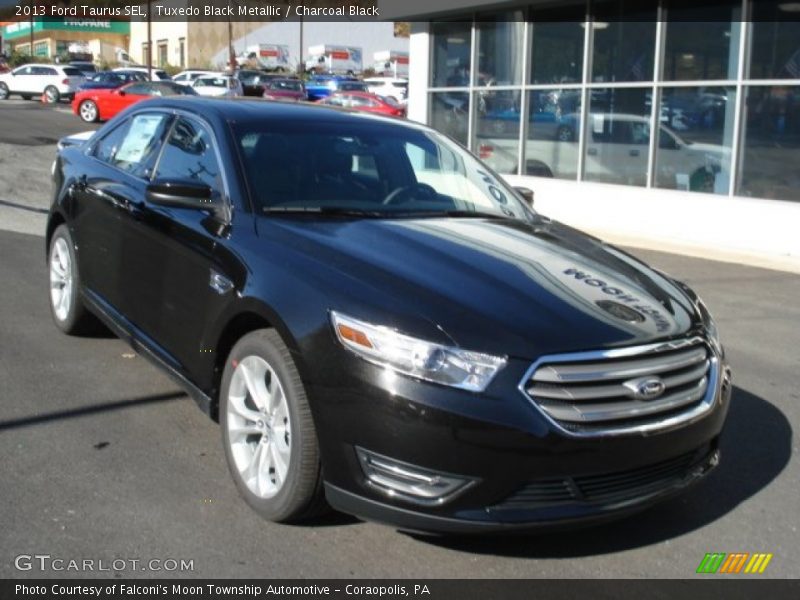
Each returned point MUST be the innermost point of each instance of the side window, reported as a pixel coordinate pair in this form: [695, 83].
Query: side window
[105, 149]
[23, 71]
[133, 146]
[139, 89]
[189, 155]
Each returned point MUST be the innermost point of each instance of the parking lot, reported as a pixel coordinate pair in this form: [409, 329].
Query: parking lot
[105, 458]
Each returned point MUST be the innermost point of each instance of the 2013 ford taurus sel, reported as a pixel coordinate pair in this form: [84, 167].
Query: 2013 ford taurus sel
[379, 323]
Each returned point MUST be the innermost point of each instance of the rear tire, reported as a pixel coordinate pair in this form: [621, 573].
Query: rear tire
[268, 433]
[69, 313]
[52, 95]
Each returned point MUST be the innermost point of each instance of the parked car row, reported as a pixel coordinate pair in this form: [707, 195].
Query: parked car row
[99, 96]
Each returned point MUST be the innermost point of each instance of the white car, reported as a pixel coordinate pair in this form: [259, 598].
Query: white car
[188, 77]
[158, 74]
[390, 87]
[54, 81]
[218, 86]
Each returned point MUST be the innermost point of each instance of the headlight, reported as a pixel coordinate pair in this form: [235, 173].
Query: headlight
[383, 346]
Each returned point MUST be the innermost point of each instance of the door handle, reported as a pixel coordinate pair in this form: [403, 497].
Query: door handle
[591, 151]
[633, 152]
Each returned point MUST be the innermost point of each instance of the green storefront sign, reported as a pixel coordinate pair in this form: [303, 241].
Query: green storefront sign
[23, 28]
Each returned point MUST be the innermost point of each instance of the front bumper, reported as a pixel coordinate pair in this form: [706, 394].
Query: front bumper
[524, 472]
[499, 519]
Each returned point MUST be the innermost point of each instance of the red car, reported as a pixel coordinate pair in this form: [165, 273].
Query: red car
[101, 105]
[366, 102]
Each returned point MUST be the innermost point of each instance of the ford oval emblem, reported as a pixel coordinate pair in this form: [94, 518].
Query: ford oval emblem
[645, 388]
[621, 311]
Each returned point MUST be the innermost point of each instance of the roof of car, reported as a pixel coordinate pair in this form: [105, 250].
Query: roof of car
[250, 110]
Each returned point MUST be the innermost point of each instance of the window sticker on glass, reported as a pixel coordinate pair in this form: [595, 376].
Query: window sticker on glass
[597, 123]
[140, 138]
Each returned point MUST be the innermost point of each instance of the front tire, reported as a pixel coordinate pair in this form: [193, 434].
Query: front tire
[4, 91]
[69, 314]
[268, 433]
[88, 111]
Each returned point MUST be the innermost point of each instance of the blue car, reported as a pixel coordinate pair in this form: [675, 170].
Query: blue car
[322, 86]
[109, 80]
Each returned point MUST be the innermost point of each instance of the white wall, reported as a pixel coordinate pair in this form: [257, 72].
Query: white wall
[171, 31]
[370, 37]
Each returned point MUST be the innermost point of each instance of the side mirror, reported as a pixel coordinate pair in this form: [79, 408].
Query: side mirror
[527, 195]
[180, 194]
[120, 92]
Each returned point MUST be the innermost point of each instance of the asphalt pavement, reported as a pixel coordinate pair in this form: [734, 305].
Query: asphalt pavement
[104, 458]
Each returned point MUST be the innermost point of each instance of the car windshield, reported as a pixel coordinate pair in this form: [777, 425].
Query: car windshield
[370, 168]
[72, 72]
[219, 82]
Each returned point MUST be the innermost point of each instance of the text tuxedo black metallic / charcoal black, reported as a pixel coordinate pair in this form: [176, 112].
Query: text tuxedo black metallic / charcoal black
[379, 321]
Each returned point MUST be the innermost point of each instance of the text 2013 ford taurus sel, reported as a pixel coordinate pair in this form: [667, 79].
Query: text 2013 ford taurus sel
[379, 321]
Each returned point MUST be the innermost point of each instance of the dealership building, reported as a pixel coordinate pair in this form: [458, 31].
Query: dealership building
[89, 39]
[666, 123]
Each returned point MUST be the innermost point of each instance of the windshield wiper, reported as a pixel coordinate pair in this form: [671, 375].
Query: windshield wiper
[322, 210]
[460, 214]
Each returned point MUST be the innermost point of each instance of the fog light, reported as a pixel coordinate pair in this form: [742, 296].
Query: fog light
[408, 482]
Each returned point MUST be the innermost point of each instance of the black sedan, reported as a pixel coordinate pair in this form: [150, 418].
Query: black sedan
[377, 320]
[111, 80]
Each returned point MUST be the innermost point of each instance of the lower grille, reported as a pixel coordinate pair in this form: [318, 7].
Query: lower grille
[625, 390]
[609, 488]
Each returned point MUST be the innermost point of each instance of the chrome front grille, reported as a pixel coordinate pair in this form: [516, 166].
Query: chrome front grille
[625, 390]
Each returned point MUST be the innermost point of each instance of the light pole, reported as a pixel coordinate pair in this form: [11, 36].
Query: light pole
[231, 53]
[149, 42]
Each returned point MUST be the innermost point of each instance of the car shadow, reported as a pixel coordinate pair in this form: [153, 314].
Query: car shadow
[755, 447]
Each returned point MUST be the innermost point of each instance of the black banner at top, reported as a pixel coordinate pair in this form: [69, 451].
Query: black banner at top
[401, 10]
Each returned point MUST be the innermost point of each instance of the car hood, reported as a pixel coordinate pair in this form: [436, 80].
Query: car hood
[492, 285]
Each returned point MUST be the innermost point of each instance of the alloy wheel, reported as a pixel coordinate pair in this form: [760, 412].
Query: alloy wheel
[88, 111]
[61, 280]
[259, 430]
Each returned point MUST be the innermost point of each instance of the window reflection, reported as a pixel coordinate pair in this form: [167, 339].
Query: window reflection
[450, 114]
[702, 42]
[557, 45]
[500, 50]
[551, 149]
[497, 129]
[771, 143]
[624, 40]
[695, 136]
[775, 44]
[451, 54]
[618, 136]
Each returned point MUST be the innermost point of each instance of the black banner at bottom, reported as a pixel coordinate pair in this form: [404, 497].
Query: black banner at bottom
[423, 589]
